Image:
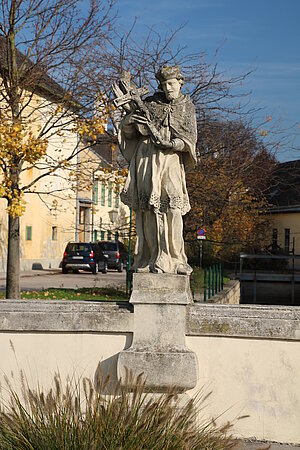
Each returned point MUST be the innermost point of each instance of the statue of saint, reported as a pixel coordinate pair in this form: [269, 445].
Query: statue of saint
[158, 137]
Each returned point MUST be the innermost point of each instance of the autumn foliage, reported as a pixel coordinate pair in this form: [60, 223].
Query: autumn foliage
[227, 189]
[18, 146]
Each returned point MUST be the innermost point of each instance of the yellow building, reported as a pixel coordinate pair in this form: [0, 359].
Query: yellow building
[102, 216]
[48, 221]
[285, 211]
[61, 210]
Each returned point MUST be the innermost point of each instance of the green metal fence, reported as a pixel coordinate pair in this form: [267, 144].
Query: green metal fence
[129, 276]
[213, 280]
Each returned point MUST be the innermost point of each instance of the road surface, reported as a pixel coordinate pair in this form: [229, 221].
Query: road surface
[39, 280]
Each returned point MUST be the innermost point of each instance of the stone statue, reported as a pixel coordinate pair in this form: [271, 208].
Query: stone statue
[157, 136]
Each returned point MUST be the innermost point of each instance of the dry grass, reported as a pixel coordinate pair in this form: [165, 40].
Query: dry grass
[73, 415]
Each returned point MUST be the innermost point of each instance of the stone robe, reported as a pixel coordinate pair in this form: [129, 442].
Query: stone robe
[155, 187]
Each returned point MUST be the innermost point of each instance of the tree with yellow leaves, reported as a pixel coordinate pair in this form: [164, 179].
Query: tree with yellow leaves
[43, 40]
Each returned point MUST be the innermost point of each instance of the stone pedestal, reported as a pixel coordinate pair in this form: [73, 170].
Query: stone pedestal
[158, 349]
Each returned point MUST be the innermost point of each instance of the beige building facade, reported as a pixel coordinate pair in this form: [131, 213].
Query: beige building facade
[48, 221]
[285, 223]
[284, 197]
[62, 210]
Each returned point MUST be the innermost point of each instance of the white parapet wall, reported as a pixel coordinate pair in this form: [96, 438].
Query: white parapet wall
[249, 356]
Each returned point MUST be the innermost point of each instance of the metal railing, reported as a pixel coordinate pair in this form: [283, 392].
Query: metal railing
[213, 280]
[129, 276]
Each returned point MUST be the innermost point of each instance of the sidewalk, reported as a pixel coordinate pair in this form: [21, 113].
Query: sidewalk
[33, 273]
[258, 445]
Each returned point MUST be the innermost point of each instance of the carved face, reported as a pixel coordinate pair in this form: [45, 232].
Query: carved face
[171, 88]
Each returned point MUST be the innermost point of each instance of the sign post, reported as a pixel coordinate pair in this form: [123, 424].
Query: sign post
[201, 237]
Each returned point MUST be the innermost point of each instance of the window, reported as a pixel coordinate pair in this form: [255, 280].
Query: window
[109, 197]
[28, 233]
[95, 192]
[287, 240]
[109, 235]
[103, 194]
[78, 247]
[81, 215]
[109, 246]
[54, 233]
[95, 235]
[275, 237]
[117, 199]
[102, 235]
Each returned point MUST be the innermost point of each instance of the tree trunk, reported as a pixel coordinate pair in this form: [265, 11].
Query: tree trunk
[13, 258]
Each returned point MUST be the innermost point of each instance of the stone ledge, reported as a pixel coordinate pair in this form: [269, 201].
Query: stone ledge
[62, 316]
[250, 321]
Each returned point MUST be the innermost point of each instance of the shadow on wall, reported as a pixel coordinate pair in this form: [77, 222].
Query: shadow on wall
[107, 371]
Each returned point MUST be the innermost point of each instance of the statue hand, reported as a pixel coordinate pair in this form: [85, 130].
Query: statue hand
[164, 144]
[119, 93]
[137, 118]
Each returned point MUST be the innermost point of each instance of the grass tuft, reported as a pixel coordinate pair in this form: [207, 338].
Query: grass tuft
[93, 294]
[73, 415]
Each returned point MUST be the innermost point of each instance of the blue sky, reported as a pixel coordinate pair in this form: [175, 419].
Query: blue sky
[254, 34]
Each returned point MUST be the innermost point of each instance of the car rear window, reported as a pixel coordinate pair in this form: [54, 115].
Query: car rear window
[108, 246]
[78, 247]
[122, 247]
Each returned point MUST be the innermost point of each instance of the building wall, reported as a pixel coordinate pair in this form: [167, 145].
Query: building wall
[48, 235]
[49, 221]
[107, 198]
[289, 221]
[248, 355]
[99, 194]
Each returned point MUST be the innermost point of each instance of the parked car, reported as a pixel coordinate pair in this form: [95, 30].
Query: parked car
[84, 256]
[116, 253]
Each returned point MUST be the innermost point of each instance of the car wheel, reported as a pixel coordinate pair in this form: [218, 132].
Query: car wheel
[64, 270]
[104, 270]
[95, 269]
[120, 267]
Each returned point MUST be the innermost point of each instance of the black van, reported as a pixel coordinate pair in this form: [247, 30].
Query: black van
[84, 256]
[116, 253]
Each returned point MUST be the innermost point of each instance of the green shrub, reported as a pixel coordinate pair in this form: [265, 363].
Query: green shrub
[76, 416]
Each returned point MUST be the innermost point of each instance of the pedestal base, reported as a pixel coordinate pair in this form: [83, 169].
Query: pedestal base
[161, 370]
[158, 350]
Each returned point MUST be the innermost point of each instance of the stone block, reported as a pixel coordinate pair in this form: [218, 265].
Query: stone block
[158, 349]
[161, 288]
[161, 370]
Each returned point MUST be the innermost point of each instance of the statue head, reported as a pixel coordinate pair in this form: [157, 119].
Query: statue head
[170, 81]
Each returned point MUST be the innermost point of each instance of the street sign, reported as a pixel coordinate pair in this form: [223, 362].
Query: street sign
[201, 237]
[201, 234]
